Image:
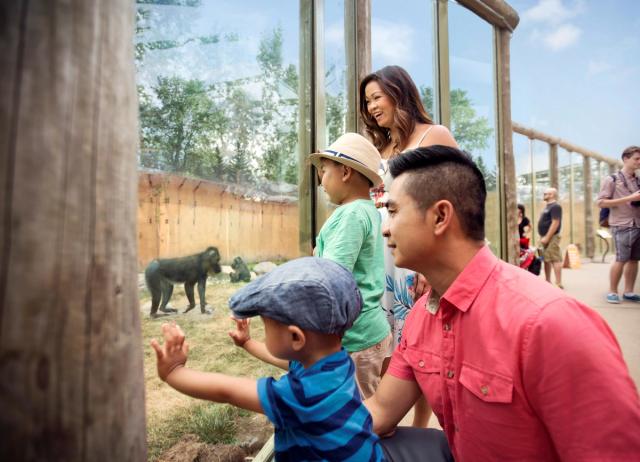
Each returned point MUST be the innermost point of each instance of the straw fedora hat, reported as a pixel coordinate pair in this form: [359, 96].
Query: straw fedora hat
[355, 151]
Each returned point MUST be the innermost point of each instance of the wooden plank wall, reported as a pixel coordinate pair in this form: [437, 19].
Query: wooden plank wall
[181, 216]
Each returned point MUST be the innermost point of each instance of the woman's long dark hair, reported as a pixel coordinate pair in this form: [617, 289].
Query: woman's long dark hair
[409, 110]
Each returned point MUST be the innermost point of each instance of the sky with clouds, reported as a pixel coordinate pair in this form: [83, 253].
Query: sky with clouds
[575, 71]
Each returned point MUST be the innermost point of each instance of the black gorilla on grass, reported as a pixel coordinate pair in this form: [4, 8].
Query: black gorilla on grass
[240, 271]
[160, 276]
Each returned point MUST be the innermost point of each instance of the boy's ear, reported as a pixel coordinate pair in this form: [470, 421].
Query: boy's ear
[347, 172]
[298, 338]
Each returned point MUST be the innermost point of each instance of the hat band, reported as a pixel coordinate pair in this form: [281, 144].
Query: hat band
[340, 154]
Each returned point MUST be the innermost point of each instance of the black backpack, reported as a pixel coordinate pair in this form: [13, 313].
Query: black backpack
[604, 212]
[604, 217]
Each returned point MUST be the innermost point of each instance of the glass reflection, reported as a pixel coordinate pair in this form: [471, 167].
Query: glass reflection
[472, 99]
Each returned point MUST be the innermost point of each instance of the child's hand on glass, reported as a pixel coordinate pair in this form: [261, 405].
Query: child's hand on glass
[173, 353]
[241, 334]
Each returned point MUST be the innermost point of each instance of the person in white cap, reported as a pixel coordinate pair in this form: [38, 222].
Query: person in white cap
[352, 237]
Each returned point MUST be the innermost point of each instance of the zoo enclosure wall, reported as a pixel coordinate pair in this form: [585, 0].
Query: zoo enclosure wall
[181, 216]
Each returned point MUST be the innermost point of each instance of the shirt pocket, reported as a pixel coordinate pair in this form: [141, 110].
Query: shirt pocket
[490, 387]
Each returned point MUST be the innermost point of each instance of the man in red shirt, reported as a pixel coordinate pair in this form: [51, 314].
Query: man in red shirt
[513, 368]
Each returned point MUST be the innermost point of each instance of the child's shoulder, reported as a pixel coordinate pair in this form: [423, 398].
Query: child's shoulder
[361, 210]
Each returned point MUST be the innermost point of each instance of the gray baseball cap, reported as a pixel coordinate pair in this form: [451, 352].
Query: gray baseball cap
[310, 292]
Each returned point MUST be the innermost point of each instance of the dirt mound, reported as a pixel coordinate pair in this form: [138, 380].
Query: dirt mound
[190, 449]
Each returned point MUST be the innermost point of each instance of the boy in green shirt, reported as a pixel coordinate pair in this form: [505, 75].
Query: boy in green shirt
[352, 237]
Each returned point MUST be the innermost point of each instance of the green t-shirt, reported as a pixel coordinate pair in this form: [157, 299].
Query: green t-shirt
[353, 238]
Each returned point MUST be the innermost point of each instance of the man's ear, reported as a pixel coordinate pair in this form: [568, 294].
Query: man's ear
[298, 338]
[443, 212]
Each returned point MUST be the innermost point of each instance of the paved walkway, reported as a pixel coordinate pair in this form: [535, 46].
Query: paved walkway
[589, 284]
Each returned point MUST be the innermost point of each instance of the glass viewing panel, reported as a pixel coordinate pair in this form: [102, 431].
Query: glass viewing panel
[218, 94]
[335, 71]
[404, 37]
[472, 97]
[333, 123]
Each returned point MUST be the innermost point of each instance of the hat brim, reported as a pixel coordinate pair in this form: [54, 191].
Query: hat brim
[361, 168]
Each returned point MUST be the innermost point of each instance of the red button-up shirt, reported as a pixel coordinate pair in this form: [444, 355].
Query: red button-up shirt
[514, 369]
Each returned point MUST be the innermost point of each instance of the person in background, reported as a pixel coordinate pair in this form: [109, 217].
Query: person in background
[549, 226]
[524, 225]
[395, 120]
[621, 194]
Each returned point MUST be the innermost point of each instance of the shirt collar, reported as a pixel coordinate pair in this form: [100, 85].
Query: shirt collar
[465, 288]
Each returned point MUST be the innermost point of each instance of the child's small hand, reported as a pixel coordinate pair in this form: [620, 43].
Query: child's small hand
[241, 334]
[173, 353]
[418, 287]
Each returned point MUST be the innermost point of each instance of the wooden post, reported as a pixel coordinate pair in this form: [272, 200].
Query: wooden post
[71, 374]
[553, 166]
[306, 191]
[589, 238]
[510, 247]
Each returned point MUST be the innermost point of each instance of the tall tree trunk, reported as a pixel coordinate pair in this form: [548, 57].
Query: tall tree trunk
[71, 376]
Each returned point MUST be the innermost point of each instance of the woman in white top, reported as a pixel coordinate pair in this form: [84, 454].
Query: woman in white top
[396, 121]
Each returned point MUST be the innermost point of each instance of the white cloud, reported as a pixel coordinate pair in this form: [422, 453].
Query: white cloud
[598, 67]
[334, 34]
[554, 30]
[391, 42]
[471, 71]
[561, 37]
[552, 11]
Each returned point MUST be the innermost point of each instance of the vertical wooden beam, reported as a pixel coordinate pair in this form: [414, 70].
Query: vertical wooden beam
[612, 169]
[553, 166]
[572, 198]
[71, 372]
[357, 23]
[306, 190]
[507, 184]
[534, 202]
[442, 103]
[589, 238]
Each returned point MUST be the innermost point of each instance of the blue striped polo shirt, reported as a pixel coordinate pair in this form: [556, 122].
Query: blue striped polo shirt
[318, 414]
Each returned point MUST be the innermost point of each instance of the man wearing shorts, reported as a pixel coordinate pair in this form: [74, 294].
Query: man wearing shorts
[621, 194]
[549, 226]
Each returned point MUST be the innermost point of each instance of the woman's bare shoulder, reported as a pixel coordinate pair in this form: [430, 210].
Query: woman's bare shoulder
[439, 134]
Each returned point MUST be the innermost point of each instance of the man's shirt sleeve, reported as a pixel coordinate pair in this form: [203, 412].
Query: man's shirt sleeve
[607, 189]
[399, 367]
[578, 384]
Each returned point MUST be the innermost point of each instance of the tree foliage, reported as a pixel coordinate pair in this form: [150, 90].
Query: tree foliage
[471, 131]
[178, 122]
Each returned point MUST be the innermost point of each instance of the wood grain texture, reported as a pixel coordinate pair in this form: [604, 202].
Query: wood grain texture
[71, 378]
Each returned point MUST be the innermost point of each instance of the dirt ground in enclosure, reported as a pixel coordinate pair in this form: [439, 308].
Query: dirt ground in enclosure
[176, 424]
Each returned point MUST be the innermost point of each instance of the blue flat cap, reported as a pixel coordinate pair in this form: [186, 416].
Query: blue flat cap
[312, 293]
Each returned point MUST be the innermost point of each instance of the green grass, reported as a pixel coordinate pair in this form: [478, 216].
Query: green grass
[170, 415]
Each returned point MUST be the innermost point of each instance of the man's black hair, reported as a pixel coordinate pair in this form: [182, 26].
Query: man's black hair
[442, 172]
